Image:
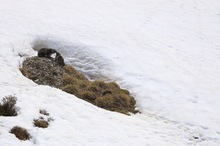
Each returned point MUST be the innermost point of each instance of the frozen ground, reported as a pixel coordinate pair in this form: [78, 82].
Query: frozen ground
[166, 52]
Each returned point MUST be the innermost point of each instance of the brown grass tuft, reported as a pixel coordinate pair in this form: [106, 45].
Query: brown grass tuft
[116, 102]
[124, 91]
[69, 80]
[88, 95]
[113, 85]
[20, 133]
[100, 84]
[122, 101]
[93, 88]
[72, 89]
[44, 112]
[105, 102]
[83, 84]
[41, 123]
[74, 73]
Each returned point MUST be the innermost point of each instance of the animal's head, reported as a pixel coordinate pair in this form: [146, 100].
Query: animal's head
[53, 51]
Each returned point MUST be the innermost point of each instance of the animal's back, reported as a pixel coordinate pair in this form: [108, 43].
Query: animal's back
[45, 52]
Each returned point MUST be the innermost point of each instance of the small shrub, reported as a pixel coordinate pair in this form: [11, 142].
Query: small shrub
[41, 123]
[44, 112]
[7, 107]
[20, 133]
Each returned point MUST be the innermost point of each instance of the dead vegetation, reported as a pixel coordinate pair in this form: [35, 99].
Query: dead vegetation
[20, 133]
[43, 71]
[41, 123]
[109, 96]
[44, 112]
[7, 106]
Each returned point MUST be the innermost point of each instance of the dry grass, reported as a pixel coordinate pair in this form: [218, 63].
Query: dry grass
[74, 73]
[94, 89]
[69, 80]
[105, 102]
[88, 95]
[121, 103]
[7, 107]
[44, 112]
[41, 123]
[20, 133]
[105, 95]
[72, 89]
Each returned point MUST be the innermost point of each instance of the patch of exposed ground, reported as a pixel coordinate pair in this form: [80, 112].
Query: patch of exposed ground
[45, 71]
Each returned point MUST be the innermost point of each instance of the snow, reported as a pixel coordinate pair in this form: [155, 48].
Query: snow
[165, 52]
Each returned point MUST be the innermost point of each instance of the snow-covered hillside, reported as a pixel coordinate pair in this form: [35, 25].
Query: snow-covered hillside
[166, 52]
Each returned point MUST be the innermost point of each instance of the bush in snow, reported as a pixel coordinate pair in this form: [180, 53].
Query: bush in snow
[7, 106]
[41, 123]
[20, 133]
[44, 112]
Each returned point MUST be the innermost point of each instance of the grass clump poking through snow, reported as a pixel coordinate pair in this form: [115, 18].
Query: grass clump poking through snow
[20, 133]
[44, 112]
[7, 106]
[105, 95]
[74, 73]
[41, 123]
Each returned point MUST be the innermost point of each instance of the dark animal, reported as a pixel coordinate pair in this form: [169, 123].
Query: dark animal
[59, 59]
[46, 52]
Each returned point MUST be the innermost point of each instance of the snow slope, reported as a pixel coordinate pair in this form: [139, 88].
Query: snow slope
[165, 52]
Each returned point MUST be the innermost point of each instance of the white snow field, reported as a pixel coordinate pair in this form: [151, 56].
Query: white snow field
[166, 52]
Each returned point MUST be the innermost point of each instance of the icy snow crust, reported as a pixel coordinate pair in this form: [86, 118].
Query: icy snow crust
[166, 52]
